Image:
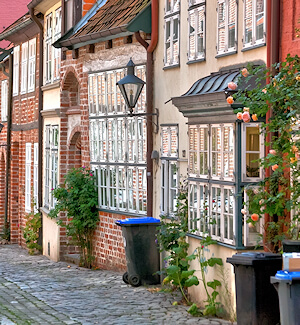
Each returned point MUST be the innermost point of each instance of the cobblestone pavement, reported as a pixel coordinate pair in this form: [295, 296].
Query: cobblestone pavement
[35, 290]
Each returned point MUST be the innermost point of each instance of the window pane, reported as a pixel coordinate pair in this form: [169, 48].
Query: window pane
[216, 211]
[248, 20]
[200, 34]
[168, 43]
[221, 27]
[193, 139]
[216, 151]
[192, 32]
[231, 23]
[228, 144]
[259, 19]
[252, 152]
[193, 207]
[175, 40]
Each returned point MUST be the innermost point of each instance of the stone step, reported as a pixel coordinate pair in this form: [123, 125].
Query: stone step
[72, 258]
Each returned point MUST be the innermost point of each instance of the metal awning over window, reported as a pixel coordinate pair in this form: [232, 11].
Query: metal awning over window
[205, 101]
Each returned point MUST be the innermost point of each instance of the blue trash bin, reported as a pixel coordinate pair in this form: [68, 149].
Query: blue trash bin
[141, 249]
[287, 285]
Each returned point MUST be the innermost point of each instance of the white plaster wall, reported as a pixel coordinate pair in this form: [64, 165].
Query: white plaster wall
[51, 99]
[51, 238]
[73, 121]
[116, 57]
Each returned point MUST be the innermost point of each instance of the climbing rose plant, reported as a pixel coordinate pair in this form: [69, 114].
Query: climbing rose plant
[78, 197]
[278, 195]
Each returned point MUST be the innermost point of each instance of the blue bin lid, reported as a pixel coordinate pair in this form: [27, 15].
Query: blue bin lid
[286, 275]
[137, 221]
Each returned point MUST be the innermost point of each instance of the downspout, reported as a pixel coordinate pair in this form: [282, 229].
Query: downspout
[149, 98]
[40, 119]
[273, 34]
[8, 139]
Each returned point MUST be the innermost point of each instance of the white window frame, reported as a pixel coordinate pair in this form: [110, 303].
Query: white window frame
[16, 70]
[24, 68]
[195, 11]
[259, 226]
[196, 212]
[261, 152]
[51, 164]
[170, 16]
[31, 64]
[254, 41]
[57, 52]
[28, 163]
[48, 48]
[35, 174]
[167, 204]
[226, 48]
[117, 144]
[4, 100]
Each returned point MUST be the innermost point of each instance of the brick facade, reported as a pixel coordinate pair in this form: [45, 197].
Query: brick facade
[23, 130]
[290, 15]
[75, 149]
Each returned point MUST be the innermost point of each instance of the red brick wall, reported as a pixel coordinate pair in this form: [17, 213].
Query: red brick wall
[24, 130]
[87, 5]
[290, 14]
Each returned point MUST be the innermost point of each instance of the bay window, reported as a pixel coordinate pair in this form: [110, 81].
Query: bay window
[196, 31]
[254, 22]
[169, 169]
[118, 144]
[227, 26]
[211, 181]
[172, 30]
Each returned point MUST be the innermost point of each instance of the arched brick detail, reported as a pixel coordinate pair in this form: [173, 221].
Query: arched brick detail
[74, 150]
[76, 129]
[68, 76]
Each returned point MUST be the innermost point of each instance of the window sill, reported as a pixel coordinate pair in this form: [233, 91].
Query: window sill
[195, 61]
[167, 67]
[52, 85]
[252, 47]
[44, 210]
[124, 213]
[225, 54]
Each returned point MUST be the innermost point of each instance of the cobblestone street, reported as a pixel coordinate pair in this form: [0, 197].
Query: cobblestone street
[35, 290]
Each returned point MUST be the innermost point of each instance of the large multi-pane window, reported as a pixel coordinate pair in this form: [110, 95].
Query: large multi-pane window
[53, 23]
[254, 22]
[28, 177]
[227, 26]
[211, 177]
[4, 100]
[16, 70]
[118, 144]
[196, 30]
[169, 169]
[172, 14]
[51, 164]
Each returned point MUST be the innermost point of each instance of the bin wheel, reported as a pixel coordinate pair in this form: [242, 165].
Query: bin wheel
[125, 277]
[134, 280]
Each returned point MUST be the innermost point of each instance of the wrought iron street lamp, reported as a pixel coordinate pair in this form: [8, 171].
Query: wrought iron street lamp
[131, 87]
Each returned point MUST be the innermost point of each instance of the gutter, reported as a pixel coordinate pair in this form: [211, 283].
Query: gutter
[273, 35]
[40, 118]
[20, 26]
[149, 98]
[94, 36]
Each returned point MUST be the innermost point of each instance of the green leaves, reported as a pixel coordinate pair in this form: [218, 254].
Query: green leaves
[79, 198]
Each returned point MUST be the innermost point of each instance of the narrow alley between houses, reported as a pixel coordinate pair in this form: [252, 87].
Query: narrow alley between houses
[36, 290]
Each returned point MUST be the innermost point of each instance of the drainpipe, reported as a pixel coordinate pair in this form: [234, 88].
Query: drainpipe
[40, 118]
[8, 138]
[273, 34]
[149, 99]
